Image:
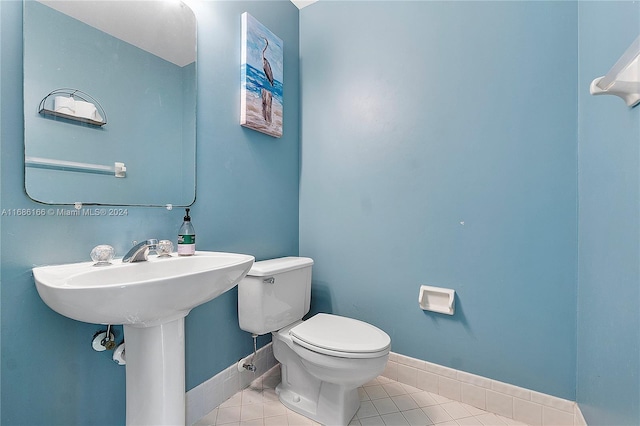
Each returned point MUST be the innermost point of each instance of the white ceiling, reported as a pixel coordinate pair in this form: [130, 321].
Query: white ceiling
[139, 25]
[303, 3]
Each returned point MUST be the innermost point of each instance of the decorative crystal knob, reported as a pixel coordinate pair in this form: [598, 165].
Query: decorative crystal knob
[164, 248]
[102, 255]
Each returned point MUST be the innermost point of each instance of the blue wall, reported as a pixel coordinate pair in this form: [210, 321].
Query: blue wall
[247, 201]
[439, 148]
[608, 378]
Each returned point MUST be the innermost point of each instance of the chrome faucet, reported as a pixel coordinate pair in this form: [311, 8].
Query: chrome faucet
[139, 252]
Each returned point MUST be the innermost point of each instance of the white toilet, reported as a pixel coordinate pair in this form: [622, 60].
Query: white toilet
[323, 359]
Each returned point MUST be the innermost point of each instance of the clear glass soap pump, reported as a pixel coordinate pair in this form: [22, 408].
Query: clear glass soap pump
[186, 237]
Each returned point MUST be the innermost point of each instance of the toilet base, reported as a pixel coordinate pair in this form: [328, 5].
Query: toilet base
[335, 405]
[321, 387]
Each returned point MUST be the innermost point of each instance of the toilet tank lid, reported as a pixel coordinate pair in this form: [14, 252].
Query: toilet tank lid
[265, 268]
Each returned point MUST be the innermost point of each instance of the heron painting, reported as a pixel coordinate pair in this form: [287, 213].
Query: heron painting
[262, 72]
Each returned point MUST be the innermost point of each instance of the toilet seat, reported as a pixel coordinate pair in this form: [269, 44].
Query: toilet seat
[341, 337]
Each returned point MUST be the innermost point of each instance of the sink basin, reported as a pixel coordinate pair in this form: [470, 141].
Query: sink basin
[142, 293]
[151, 300]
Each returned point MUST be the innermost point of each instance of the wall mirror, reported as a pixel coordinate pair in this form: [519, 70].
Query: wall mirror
[110, 102]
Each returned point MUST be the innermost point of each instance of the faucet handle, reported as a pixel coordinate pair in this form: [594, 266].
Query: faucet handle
[102, 255]
[164, 248]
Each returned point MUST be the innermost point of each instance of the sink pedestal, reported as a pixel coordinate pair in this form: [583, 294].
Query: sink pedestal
[155, 374]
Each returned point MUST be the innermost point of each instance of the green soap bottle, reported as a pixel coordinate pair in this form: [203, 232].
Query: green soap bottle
[186, 237]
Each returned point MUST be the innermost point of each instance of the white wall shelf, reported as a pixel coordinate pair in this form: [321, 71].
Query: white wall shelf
[623, 79]
[74, 105]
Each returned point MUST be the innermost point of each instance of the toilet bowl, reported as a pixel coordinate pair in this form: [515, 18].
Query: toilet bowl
[325, 358]
[322, 383]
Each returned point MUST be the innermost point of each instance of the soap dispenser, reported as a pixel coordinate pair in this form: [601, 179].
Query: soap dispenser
[186, 237]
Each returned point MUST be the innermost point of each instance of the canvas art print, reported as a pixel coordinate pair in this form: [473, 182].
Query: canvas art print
[262, 71]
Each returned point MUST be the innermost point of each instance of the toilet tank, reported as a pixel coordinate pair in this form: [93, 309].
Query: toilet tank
[274, 294]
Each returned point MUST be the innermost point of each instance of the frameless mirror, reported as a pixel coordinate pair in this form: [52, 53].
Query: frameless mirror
[110, 102]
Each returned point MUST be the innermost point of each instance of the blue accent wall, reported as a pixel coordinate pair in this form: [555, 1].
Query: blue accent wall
[608, 373]
[247, 201]
[439, 147]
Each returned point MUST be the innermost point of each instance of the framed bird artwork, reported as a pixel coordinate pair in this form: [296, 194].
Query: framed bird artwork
[262, 72]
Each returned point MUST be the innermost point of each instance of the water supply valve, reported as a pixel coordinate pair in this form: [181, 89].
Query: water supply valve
[104, 340]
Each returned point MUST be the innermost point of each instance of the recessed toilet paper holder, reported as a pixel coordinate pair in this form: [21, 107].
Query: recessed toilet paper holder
[437, 299]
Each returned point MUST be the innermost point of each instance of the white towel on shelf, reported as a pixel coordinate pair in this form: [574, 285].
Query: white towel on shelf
[64, 105]
[87, 110]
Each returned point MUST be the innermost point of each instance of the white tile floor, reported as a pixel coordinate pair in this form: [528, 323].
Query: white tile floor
[384, 402]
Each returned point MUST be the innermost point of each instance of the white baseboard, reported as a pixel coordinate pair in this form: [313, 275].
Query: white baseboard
[578, 419]
[523, 405]
[208, 395]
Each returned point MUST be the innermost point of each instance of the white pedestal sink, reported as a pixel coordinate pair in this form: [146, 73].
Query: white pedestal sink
[150, 299]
